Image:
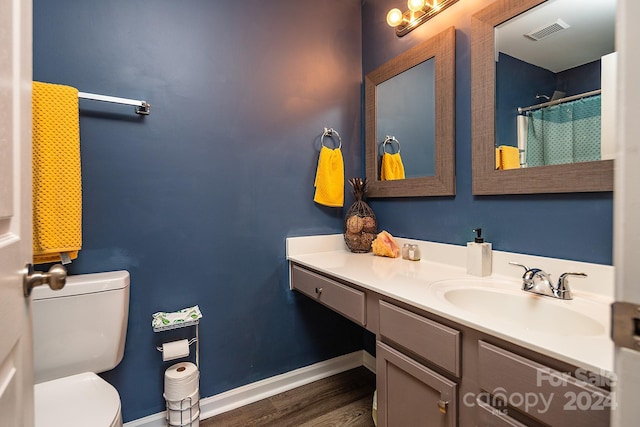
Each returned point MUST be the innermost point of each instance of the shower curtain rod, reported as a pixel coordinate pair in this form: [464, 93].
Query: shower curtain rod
[559, 101]
[142, 107]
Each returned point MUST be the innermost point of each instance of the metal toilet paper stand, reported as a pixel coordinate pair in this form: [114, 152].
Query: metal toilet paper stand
[186, 403]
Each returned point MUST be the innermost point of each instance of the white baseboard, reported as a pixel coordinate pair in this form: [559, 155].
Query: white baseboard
[233, 399]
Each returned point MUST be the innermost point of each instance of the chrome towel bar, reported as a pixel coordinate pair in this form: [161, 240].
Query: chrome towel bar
[142, 107]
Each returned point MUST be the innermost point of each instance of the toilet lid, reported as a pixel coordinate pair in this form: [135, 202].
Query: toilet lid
[76, 401]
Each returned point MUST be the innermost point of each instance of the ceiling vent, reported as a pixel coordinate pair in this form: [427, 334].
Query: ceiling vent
[547, 30]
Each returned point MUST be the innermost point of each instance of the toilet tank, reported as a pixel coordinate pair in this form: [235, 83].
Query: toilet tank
[82, 327]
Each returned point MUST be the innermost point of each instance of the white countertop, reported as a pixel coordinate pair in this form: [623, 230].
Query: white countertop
[412, 282]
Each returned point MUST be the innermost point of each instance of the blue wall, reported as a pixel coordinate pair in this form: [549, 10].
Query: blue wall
[583, 78]
[571, 226]
[512, 93]
[406, 109]
[196, 200]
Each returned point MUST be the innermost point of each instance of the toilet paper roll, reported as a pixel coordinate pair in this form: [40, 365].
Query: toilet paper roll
[175, 350]
[180, 381]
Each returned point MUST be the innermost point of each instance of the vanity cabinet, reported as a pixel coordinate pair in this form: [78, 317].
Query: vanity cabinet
[432, 371]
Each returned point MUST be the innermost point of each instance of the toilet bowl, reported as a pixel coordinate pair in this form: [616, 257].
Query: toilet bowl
[78, 332]
[80, 400]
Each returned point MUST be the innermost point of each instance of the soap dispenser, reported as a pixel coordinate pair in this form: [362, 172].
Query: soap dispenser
[479, 255]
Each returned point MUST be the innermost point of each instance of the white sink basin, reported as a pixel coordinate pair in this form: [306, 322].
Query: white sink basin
[504, 301]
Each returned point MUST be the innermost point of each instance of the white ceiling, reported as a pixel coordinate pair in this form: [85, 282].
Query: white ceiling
[591, 34]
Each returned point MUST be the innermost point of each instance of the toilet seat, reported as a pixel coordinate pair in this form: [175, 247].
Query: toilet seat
[77, 401]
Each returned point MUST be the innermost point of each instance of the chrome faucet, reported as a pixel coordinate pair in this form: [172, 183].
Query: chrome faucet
[539, 282]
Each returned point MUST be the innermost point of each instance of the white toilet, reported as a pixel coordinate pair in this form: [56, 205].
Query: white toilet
[78, 331]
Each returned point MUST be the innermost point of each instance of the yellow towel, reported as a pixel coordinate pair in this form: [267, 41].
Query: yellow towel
[392, 167]
[57, 187]
[329, 181]
[507, 157]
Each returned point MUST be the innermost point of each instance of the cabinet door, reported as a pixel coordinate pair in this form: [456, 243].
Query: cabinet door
[410, 394]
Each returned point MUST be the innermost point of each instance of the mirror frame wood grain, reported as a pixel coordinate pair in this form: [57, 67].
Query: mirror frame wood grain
[441, 47]
[566, 178]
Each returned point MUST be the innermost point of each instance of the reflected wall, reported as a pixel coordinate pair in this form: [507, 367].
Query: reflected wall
[406, 110]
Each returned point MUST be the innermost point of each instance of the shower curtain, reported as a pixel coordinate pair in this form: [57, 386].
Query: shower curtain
[564, 133]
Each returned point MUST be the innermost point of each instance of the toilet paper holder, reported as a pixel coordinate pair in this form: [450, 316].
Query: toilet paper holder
[194, 340]
[190, 342]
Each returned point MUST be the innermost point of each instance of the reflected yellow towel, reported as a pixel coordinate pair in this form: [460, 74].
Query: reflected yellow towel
[392, 167]
[329, 181]
[57, 187]
[507, 157]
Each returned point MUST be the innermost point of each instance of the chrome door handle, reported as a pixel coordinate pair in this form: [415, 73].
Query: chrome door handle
[56, 278]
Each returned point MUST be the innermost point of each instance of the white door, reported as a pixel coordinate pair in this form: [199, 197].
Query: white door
[16, 360]
[627, 211]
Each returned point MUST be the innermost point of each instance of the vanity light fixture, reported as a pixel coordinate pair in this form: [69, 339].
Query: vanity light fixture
[420, 11]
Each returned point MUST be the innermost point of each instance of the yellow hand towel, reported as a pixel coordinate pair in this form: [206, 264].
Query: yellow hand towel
[57, 187]
[392, 167]
[329, 181]
[508, 157]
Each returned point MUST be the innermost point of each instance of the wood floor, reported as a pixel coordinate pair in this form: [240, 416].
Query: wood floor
[341, 400]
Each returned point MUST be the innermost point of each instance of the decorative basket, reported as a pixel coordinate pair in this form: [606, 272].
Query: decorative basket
[360, 225]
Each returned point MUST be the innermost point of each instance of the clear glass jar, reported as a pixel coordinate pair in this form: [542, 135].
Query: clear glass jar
[414, 253]
[405, 251]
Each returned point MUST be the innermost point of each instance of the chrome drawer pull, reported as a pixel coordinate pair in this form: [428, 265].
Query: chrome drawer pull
[442, 406]
[318, 291]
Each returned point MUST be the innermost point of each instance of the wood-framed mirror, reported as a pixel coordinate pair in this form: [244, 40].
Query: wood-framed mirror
[584, 176]
[428, 129]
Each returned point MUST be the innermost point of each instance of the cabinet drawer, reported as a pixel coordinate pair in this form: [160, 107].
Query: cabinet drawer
[341, 298]
[435, 342]
[488, 416]
[545, 394]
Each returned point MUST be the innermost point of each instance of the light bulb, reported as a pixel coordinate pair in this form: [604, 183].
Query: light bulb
[394, 17]
[415, 5]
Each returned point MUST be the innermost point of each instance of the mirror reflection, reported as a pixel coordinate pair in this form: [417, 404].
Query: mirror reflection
[555, 70]
[409, 121]
[584, 176]
[405, 129]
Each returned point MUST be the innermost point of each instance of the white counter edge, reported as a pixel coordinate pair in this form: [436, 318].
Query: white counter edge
[600, 278]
